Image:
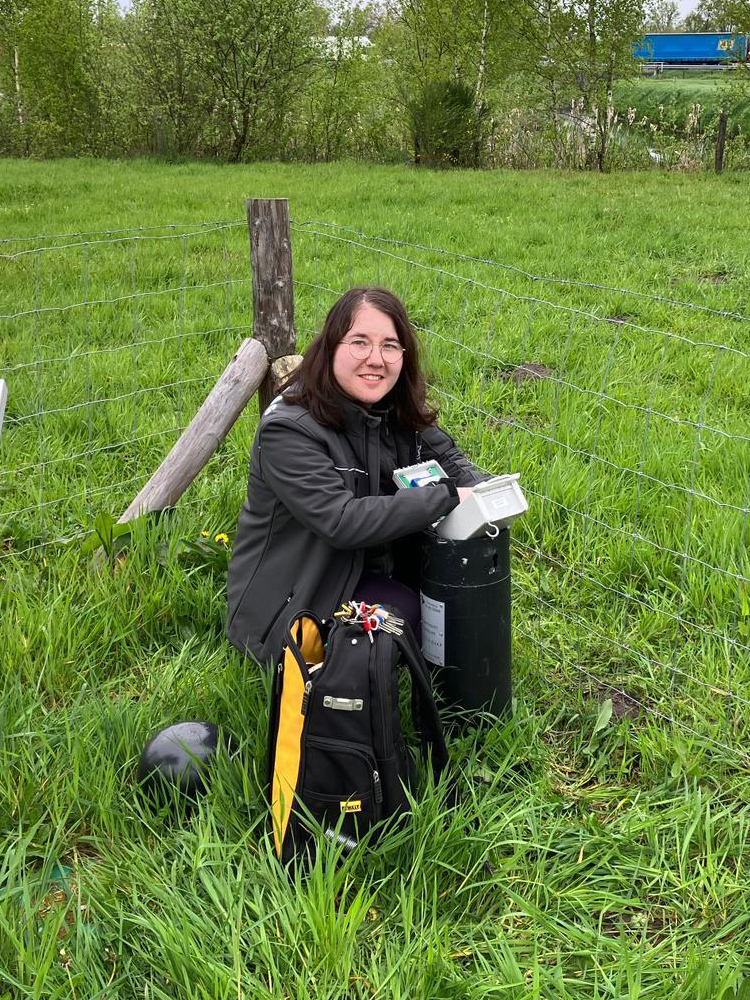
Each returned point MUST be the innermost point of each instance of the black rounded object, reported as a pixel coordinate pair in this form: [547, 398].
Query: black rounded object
[180, 755]
[466, 619]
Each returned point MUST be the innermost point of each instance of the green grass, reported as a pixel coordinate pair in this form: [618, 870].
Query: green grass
[677, 95]
[589, 857]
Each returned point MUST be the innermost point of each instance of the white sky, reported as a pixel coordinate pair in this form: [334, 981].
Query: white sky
[686, 6]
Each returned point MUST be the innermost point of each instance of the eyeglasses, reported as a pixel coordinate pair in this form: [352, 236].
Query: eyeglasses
[361, 349]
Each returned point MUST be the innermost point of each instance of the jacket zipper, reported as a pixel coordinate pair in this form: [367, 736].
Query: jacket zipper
[276, 617]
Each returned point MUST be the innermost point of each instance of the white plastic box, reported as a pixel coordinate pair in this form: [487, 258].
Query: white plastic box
[497, 502]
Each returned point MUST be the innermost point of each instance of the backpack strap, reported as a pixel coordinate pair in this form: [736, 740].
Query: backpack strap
[424, 709]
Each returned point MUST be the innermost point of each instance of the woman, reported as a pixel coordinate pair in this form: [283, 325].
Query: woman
[323, 520]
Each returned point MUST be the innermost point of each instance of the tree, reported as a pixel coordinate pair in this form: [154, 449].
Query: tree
[442, 49]
[171, 97]
[582, 47]
[547, 39]
[223, 77]
[661, 15]
[709, 15]
[11, 19]
[606, 30]
[336, 93]
[255, 53]
[48, 58]
[445, 123]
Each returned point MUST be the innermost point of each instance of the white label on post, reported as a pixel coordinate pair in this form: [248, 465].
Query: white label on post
[433, 630]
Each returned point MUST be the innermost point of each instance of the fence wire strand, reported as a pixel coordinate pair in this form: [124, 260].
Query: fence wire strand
[122, 239]
[109, 399]
[130, 345]
[588, 517]
[89, 452]
[207, 227]
[648, 709]
[559, 307]
[119, 299]
[547, 279]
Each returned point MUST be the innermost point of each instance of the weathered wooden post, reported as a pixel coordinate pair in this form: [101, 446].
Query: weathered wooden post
[3, 400]
[273, 290]
[263, 361]
[158, 135]
[204, 433]
[720, 140]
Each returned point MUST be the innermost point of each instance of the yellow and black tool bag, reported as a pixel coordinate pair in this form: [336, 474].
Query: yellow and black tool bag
[336, 749]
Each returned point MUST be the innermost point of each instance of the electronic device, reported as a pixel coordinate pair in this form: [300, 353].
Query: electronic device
[418, 475]
[491, 506]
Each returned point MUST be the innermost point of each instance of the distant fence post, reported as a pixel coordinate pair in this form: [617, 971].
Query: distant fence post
[720, 140]
[158, 135]
[273, 290]
[3, 398]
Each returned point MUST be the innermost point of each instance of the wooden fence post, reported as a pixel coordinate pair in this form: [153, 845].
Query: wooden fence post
[720, 140]
[204, 433]
[3, 399]
[273, 291]
[158, 135]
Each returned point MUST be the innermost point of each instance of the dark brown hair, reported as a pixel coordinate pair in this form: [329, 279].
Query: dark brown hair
[313, 385]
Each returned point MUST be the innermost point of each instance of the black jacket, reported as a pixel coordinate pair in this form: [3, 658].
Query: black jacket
[313, 507]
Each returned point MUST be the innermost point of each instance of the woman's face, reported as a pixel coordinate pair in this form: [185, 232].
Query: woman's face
[369, 379]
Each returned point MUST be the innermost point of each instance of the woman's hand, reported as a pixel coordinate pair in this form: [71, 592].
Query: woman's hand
[464, 492]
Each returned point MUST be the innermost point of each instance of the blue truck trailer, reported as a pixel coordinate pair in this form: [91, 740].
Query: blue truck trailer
[698, 48]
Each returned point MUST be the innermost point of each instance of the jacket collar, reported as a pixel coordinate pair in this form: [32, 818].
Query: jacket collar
[357, 417]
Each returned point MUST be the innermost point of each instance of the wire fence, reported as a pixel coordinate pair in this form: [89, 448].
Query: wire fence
[625, 413]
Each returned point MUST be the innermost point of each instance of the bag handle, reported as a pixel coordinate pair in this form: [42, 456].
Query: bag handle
[424, 709]
[297, 641]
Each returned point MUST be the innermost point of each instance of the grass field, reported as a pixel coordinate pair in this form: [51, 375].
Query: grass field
[600, 847]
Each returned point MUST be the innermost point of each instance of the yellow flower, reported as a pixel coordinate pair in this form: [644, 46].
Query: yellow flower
[204, 534]
[222, 539]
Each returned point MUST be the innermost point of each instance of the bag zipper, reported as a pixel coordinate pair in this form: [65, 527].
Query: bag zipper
[362, 749]
[358, 750]
[291, 644]
[312, 679]
[384, 699]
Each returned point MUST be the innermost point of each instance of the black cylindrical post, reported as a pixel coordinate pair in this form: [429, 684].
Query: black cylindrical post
[466, 619]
